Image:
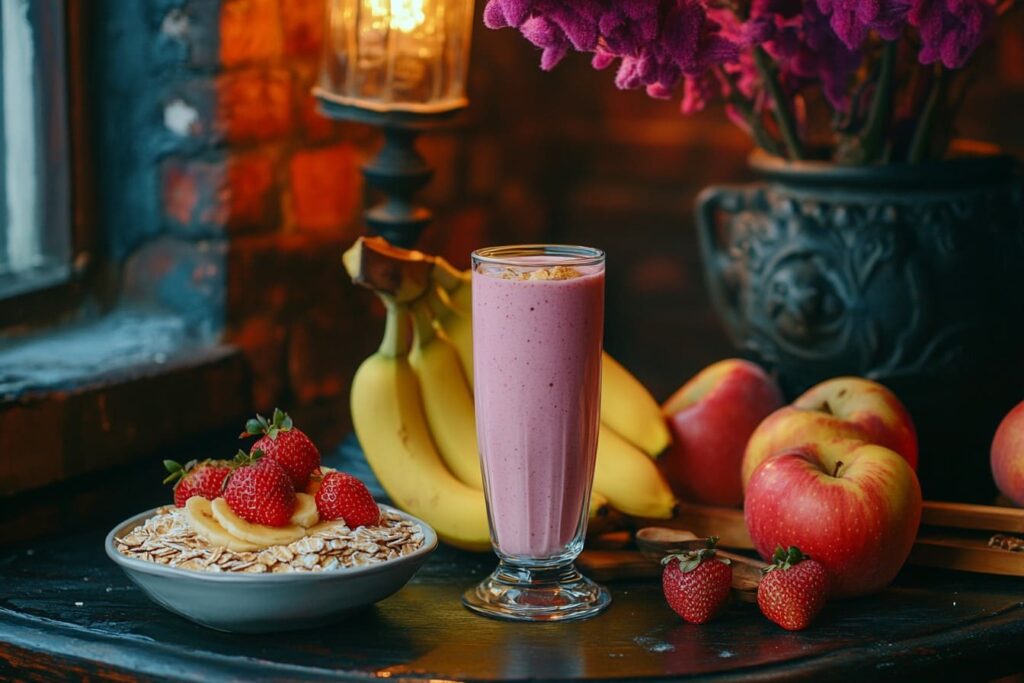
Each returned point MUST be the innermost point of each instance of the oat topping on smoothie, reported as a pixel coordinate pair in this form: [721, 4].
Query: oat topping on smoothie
[552, 273]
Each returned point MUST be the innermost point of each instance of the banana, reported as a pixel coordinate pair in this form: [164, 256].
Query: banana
[400, 273]
[598, 505]
[457, 283]
[629, 409]
[306, 514]
[389, 422]
[334, 525]
[457, 326]
[199, 514]
[258, 534]
[447, 398]
[629, 479]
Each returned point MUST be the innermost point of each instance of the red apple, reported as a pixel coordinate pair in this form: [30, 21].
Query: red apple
[852, 506]
[840, 408]
[1008, 455]
[711, 417]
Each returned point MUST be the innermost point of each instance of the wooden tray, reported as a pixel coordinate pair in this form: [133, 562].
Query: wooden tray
[952, 536]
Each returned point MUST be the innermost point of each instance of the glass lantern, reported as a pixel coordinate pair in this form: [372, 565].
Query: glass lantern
[397, 55]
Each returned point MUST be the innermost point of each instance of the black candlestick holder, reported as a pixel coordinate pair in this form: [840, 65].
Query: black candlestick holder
[398, 171]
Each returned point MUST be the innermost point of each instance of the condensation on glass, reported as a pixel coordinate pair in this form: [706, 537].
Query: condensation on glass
[397, 55]
[35, 234]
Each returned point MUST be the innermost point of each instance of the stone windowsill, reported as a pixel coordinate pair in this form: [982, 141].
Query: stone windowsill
[100, 393]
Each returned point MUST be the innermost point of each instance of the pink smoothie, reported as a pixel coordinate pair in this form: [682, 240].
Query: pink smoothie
[537, 366]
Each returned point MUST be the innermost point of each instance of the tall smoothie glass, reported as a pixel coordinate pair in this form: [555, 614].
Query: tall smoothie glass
[538, 320]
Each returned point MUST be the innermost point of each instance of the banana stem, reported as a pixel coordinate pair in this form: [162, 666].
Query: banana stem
[447, 275]
[422, 324]
[396, 329]
[441, 306]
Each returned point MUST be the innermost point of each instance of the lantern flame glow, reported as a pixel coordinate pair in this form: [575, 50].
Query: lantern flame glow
[406, 15]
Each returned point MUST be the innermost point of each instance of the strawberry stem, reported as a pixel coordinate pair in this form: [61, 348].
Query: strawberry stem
[785, 558]
[690, 560]
[259, 425]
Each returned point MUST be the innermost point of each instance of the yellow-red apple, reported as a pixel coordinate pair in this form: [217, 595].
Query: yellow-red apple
[711, 417]
[839, 408]
[852, 506]
[1008, 455]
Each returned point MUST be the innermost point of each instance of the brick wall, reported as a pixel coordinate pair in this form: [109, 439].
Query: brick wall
[229, 199]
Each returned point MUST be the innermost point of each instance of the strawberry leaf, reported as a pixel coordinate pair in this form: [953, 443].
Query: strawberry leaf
[175, 469]
[280, 422]
[690, 560]
[253, 427]
[785, 558]
[689, 565]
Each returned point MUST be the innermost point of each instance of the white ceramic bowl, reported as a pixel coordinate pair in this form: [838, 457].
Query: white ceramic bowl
[263, 603]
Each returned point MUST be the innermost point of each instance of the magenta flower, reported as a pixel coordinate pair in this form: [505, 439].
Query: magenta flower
[655, 42]
[808, 51]
[951, 30]
[853, 20]
[762, 56]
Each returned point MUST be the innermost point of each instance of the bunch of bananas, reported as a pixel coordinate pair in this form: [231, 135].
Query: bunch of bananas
[412, 404]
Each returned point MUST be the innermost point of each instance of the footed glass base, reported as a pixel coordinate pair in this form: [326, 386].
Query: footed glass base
[530, 594]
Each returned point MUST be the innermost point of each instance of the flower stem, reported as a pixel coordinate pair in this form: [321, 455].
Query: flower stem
[922, 133]
[783, 116]
[872, 140]
[761, 135]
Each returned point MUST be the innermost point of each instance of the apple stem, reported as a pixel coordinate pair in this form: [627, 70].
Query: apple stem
[835, 472]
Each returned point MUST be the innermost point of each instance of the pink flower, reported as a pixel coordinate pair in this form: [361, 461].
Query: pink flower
[655, 42]
[951, 30]
[852, 20]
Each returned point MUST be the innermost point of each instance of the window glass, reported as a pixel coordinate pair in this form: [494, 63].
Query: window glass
[34, 207]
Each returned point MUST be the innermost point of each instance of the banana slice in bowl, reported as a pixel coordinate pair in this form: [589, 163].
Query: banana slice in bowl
[262, 536]
[200, 517]
[306, 514]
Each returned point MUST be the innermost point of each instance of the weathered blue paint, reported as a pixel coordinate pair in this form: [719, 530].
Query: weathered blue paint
[147, 53]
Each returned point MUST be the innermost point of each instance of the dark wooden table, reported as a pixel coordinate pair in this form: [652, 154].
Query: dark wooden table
[67, 612]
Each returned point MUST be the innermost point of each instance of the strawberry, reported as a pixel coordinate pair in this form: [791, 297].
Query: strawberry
[696, 584]
[282, 442]
[204, 479]
[260, 491]
[793, 589]
[342, 496]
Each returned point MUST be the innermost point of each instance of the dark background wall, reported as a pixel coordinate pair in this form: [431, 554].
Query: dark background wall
[225, 197]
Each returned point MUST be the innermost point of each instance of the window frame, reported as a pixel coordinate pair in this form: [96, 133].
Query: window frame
[63, 294]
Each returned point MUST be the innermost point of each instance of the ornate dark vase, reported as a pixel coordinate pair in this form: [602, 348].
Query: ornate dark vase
[909, 275]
